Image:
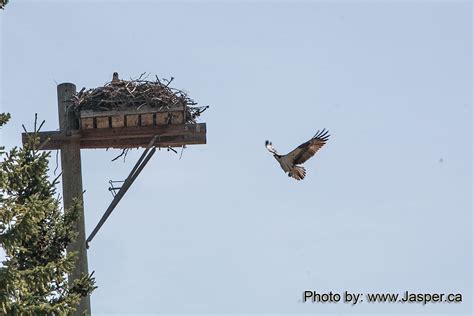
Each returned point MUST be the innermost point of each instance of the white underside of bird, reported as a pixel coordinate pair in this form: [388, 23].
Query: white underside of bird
[290, 163]
[297, 172]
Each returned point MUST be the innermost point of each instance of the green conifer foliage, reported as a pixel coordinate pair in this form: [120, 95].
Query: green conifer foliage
[34, 233]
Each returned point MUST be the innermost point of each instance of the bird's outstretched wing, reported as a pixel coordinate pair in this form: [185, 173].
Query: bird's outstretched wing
[307, 150]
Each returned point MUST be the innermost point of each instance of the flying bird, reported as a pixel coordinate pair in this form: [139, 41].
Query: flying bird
[289, 162]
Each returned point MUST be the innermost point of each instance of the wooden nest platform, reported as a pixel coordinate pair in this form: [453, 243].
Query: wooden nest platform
[127, 114]
[133, 103]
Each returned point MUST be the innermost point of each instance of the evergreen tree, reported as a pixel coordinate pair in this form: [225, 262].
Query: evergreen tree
[34, 233]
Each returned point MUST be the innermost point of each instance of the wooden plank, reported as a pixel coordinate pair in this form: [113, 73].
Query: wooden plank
[162, 118]
[118, 121]
[123, 137]
[102, 122]
[177, 118]
[143, 109]
[144, 131]
[131, 120]
[87, 122]
[146, 119]
[165, 141]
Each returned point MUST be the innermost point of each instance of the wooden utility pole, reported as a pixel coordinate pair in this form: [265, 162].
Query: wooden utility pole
[71, 138]
[72, 185]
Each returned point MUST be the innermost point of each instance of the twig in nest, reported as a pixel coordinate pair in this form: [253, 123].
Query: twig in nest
[172, 149]
[123, 153]
[182, 149]
[141, 76]
[169, 81]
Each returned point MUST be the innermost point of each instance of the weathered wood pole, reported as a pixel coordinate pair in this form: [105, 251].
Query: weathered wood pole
[72, 185]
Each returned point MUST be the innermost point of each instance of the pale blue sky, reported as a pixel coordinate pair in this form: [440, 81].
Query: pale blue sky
[386, 205]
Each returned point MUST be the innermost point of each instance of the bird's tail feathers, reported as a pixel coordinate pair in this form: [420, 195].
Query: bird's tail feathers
[298, 173]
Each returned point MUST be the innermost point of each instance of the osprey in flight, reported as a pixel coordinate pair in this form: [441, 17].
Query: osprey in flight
[289, 162]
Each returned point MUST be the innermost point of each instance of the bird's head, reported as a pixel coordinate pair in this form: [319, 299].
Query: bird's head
[269, 146]
[115, 76]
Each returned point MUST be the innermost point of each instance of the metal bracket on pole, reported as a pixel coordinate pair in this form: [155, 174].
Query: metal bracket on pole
[113, 189]
[141, 163]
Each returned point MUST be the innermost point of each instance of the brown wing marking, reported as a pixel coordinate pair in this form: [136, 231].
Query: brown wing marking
[307, 150]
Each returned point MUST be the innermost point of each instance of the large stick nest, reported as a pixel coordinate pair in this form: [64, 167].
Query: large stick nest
[134, 94]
